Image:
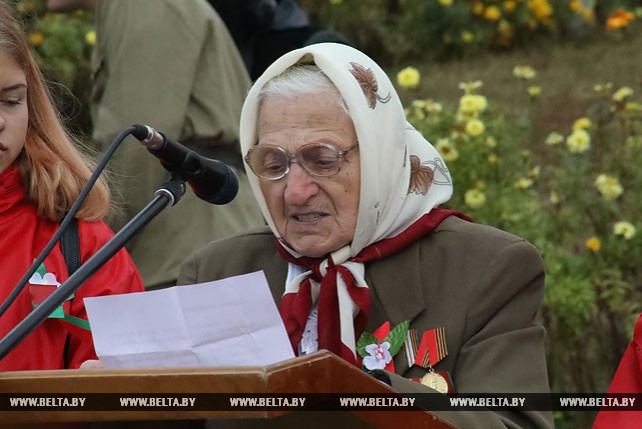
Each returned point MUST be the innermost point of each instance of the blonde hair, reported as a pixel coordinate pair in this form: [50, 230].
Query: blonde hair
[52, 167]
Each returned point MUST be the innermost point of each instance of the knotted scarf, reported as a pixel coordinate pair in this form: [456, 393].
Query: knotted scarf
[337, 282]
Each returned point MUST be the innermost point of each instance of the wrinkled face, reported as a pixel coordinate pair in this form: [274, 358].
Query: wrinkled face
[314, 215]
[14, 114]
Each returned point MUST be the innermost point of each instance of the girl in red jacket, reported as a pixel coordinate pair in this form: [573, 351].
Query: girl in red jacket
[41, 175]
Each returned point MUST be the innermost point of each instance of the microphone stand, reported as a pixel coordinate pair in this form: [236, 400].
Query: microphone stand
[167, 195]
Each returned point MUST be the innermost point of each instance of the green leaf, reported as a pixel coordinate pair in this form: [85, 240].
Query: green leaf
[365, 340]
[397, 336]
[42, 270]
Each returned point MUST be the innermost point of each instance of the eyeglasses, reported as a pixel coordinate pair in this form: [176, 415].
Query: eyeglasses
[318, 159]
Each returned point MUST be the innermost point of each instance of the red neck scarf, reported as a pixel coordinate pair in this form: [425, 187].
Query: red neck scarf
[295, 307]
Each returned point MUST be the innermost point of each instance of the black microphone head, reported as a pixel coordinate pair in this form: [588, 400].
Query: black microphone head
[211, 180]
[228, 191]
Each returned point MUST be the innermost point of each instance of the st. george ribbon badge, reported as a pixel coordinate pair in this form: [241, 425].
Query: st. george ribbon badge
[426, 353]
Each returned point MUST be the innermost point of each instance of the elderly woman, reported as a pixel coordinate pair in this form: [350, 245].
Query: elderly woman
[356, 242]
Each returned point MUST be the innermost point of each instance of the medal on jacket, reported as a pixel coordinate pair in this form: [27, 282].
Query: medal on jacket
[435, 381]
[426, 353]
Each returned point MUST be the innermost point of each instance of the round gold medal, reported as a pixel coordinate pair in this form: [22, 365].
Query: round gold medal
[435, 381]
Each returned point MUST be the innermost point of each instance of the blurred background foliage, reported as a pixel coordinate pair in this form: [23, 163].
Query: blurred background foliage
[401, 30]
[63, 44]
[534, 104]
[575, 195]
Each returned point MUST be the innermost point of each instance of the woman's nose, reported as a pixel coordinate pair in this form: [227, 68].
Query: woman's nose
[300, 186]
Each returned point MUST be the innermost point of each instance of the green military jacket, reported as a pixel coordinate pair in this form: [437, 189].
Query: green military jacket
[483, 285]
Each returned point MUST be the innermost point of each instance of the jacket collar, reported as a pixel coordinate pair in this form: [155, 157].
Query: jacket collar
[396, 288]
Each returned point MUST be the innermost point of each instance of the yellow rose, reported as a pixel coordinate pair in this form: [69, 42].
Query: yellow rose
[492, 13]
[36, 38]
[593, 244]
[575, 6]
[90, 38]
[510, 5]
[475, 127]
[541, 9]
[408, 77]
[524, 72]
[625, 229]
[582, 124]
[467, 36]
[491, 142]
[447, 151]
[578, 142]
[622, 94]
[523, 183]
[472, 103]
[474, 198]
[608, 186]
[534, 91]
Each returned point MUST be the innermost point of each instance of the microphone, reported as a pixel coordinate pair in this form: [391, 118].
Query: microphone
[211, 180]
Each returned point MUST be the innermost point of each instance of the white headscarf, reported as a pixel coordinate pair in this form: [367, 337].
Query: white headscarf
[390, 149]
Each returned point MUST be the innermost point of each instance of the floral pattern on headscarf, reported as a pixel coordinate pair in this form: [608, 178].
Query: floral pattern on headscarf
[369, 85]
[420, 176]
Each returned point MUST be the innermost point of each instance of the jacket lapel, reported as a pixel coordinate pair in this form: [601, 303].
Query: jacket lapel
[276, 274]
[396, 292]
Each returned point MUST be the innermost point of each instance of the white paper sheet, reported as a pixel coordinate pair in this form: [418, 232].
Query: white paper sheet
[230, 322]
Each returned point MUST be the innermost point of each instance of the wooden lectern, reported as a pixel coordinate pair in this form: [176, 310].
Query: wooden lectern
[321, 372]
